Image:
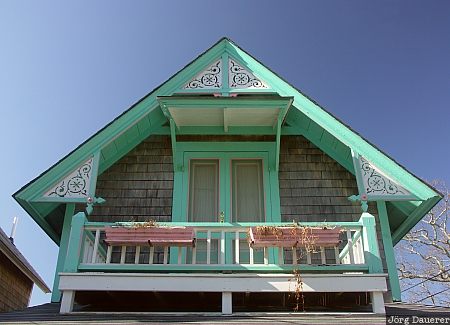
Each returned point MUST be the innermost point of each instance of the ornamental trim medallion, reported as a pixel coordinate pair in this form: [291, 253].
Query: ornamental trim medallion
[376, 183]
[210, 78]
[241, 78]
[75, 185]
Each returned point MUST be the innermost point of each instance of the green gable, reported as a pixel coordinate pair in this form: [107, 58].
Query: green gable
[304, 117]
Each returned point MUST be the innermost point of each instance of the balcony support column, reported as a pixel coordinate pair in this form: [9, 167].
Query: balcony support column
[68, 297]
[377, 302]
[227, 303]
[63, 243]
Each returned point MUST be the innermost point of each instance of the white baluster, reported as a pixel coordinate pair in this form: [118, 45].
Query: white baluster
[236, 247]
[336, 255]
[294, 255]
[194, 250]
[94, 253]
[108, 254]
[166, 254]
[252, 260]
[222, 247]
[350, 247]
[137, 254]
[208, 247]
[280, 256]
[266, 255]
[179, 255]
[308, 257]
[122, 254]
[322, 255]
[151, 255]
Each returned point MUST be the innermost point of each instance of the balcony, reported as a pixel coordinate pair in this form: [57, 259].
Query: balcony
[223, 251]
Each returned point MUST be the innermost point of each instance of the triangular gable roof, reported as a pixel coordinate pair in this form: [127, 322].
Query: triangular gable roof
[314, 122]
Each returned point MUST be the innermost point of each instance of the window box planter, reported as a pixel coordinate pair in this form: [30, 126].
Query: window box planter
[293, 237]
[153, 236]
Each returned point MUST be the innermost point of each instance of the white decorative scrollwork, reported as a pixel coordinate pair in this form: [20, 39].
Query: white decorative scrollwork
[376, 183]
[210, 78]
[239, 77]
[74, 185]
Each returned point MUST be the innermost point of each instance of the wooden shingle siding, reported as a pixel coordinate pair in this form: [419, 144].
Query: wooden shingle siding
[314, 187]
[15, 287]
[139, 186]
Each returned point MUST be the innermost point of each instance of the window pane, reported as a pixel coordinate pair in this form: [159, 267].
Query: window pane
[247, 191]
[203, 190]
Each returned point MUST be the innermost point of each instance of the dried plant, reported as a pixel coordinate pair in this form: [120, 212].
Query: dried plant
[298, 291]
[269, 230]
[138, 225]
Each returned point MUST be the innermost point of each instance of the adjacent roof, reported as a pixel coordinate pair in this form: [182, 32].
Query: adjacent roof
[14, 255]
[305, 117]
[49, 314]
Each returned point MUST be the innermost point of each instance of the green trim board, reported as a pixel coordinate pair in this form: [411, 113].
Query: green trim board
[62, 253]
[389, 251]
[414, 218]
[145, 118]
[267, 268]
[226, 150]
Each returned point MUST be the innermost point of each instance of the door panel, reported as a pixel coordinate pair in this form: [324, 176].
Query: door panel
[203, 190]
[247, 190]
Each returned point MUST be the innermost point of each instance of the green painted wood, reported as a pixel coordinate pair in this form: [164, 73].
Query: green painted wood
[42, 222]
[358, 174]
[389, 251]
[75, 243]
[122, 123]
[70, 209]
[346, 249]
[414, 218]
[339, 154]
[278, 140]
[371, 253]
[225, 75]
[269, 268]
[148, 105]
[329, 123]
[233, 130]
[94, 174]
[224, 157]
[173, 139]
[199, 102]
[355, 225]
[373, 197]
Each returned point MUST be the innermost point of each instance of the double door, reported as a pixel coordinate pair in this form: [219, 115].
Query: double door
[226, 187]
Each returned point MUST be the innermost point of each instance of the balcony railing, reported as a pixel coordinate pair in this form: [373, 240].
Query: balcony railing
[223, 247]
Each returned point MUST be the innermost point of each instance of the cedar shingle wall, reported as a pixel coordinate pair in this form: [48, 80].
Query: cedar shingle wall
[15, 287]
[139, 186]
[313, 187]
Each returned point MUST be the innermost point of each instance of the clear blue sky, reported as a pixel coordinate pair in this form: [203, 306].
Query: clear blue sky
[67, 69]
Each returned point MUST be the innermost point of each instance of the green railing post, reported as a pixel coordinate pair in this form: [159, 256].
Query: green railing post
[75, 241]
[370, 243]
[62, 253]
